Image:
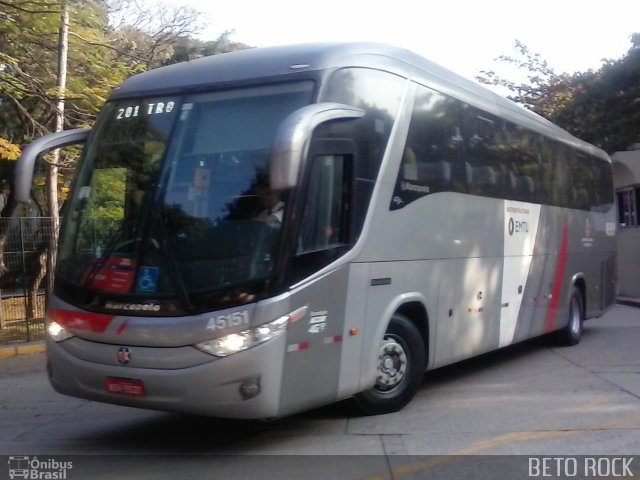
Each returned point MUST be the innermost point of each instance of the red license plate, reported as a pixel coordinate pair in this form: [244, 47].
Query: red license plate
[125, 386]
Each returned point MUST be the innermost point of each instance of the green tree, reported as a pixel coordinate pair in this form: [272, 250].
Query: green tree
[101, 55]
[29, 35]
[36, 98]
[144, 36]
[601, 107]
[605, 108]
[188, 48]
[542, 90]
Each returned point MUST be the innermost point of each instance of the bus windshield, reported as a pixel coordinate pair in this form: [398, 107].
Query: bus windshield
[171, 196]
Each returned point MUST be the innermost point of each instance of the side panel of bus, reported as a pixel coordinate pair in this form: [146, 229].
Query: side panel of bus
[506, 269]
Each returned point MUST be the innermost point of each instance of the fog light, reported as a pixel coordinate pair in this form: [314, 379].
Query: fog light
[249, 389]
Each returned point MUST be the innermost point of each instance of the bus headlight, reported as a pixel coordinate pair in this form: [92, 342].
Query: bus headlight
[57, 332]
[236, 342]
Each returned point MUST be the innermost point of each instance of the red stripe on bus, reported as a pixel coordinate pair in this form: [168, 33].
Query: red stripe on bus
[556, 287]
[122, 326]
[76, 320]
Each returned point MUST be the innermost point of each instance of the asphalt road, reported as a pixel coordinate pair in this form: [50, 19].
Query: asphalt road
[531, 400]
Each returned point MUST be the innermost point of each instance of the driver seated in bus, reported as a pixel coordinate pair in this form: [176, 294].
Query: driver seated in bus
[272, 206]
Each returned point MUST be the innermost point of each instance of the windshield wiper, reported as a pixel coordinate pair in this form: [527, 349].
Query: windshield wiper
[172, 264]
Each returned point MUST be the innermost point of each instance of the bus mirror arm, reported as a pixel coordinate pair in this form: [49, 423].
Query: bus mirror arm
[293, 138]
[27, 160]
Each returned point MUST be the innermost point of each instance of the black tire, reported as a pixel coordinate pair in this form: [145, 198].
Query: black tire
[400, 371]
[571, 334]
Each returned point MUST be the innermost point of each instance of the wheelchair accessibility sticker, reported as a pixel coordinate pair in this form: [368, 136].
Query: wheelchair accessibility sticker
[147, 279]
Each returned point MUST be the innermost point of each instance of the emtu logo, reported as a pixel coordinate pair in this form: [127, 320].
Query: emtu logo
[517, 226]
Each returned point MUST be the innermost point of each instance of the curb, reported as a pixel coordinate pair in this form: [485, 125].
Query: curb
[9, 351]
[629, 302]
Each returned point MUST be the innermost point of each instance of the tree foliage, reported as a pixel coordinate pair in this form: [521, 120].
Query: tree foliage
[29, 39]
[188, 48]
[601, 107]
[143, 36]
[110, 40]
[605, 109]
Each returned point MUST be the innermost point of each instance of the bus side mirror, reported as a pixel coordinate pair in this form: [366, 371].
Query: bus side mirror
[27, 160]
[293, 138]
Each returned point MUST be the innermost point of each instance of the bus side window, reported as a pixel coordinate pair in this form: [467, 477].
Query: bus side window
[430, 162]
[483, 153]
[521, 150]
[321, 219]
[324, 221]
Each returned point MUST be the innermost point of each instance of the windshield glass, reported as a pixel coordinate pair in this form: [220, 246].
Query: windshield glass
[172, 196]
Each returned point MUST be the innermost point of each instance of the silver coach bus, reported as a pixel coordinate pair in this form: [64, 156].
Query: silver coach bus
[262, 232]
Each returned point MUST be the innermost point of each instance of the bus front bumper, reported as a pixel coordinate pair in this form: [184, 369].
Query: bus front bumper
[244, 385]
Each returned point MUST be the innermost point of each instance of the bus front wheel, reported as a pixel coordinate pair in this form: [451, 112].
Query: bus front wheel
[401, 366]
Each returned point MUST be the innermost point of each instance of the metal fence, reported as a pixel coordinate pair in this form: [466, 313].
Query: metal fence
[22, 287]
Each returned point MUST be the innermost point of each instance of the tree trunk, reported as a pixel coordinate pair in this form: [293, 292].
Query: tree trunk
[52, 180]
[32, 300]
[6, 214]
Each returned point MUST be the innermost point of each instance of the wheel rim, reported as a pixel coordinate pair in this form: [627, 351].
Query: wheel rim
[575, 322]
[392, 364]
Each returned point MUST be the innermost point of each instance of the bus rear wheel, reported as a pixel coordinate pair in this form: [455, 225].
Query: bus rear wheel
[572, 332]
[401, 365]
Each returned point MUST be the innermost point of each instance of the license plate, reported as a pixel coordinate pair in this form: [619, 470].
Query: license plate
[125, 386]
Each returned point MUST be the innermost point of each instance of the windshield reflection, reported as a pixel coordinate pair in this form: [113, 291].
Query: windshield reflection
[170, 203]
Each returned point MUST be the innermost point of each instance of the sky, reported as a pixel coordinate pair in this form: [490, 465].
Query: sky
[462, 35]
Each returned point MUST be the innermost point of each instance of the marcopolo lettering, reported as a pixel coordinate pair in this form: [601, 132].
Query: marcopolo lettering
[133, 307]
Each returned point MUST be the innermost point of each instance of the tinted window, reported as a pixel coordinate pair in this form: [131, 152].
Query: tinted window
[323, 218]
[379, 94]
[324, 222]
[431, 161]
[455, 147]
[485, 160]
[521, 149]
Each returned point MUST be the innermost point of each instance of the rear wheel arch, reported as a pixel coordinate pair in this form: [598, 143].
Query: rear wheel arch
[580, 284]
[416, 312]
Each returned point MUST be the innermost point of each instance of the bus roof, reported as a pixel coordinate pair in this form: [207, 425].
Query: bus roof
[247, 66]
